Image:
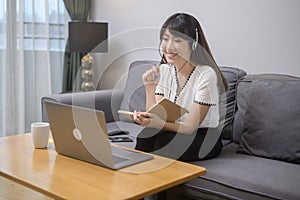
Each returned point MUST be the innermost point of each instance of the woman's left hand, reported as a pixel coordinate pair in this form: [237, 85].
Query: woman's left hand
[148, 120]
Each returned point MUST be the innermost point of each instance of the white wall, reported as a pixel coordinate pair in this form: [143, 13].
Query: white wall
[260, 36]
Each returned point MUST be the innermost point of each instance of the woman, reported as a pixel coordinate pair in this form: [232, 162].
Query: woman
[188, 76]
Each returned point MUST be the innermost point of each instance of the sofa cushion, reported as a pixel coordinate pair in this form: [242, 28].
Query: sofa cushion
[240, 176]
[242, 98]
[134, 93]
[272, 121]
[228, 102]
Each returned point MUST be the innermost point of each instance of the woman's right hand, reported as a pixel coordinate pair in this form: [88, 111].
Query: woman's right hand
[148, 120]
[152, 76]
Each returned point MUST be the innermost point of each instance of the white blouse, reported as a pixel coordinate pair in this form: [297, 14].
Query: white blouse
[200, 87]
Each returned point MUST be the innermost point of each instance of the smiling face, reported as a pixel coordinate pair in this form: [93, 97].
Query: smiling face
[175, 49]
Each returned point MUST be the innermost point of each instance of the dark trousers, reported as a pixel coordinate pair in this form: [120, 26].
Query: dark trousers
[202, 144]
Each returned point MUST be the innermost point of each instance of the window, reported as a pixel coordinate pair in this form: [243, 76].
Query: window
[43, 24]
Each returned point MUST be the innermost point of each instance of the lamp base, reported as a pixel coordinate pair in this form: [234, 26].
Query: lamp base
[87, 73]
[87, 86]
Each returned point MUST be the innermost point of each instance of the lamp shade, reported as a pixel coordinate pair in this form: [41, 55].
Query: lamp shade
[88, 37]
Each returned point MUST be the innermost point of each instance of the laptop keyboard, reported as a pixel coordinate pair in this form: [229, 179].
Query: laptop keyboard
[118, 159]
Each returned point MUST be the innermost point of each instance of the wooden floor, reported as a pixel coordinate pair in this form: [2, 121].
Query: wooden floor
[10, 190]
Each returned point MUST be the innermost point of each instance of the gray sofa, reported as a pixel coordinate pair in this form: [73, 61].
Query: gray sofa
[261, 135]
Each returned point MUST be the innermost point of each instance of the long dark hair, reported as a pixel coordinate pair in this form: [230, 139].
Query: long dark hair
[187, 27]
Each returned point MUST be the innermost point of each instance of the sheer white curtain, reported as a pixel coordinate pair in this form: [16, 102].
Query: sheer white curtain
[32, 41]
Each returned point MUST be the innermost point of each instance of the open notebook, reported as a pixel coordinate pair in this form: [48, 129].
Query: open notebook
[165, 109]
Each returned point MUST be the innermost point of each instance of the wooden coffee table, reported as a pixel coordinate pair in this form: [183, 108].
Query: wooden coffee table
[62, 177]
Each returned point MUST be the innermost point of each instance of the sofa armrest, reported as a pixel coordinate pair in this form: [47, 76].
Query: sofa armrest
[106, 100]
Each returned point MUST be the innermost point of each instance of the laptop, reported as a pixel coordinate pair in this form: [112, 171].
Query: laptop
[81, 133]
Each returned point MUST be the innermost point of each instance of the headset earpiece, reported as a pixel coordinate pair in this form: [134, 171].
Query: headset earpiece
[195, 43]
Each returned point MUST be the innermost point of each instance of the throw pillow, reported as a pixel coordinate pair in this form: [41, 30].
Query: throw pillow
[272, 121]
[228, 100]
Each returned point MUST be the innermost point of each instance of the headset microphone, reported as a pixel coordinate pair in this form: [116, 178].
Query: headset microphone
[161, 54]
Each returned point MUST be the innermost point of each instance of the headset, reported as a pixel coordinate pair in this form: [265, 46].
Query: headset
[195, 43]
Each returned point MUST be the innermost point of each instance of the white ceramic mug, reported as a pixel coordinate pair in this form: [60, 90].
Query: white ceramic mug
[40, 134]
